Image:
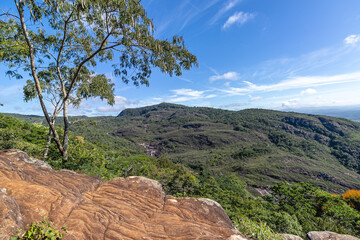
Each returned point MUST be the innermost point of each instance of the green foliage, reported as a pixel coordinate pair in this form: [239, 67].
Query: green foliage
[268, 146]
[43, 230]
[291, 208]
[21, 135]
[12, 48]
[259, 231]
[62, 56]
[315, 209]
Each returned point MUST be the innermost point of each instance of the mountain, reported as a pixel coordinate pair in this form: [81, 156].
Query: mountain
[223, 150]
[261, 147]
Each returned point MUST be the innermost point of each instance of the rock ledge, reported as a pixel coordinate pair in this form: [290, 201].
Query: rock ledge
[123, 208]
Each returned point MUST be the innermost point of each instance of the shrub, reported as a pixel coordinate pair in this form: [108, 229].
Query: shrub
[352, 197]
[43, 230]
[258, 231]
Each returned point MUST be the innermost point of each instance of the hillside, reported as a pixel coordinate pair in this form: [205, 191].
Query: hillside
[260, 146]
[286, 208]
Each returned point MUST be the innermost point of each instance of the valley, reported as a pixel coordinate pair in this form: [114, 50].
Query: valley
[261, 147]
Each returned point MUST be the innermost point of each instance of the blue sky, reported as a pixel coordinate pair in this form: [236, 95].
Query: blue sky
[279, 54]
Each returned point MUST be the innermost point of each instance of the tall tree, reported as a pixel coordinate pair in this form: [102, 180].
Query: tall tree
[68, 38]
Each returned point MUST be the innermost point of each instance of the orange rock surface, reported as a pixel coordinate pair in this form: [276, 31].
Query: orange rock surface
[123, 208]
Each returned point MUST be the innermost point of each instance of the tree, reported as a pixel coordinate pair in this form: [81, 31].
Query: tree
[70, 38]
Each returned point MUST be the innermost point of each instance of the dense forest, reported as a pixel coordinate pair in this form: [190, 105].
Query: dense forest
[302, 164]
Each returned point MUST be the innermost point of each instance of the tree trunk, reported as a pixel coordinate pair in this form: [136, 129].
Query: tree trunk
[19, 6]
[49, 136]
[66, 131]
[47, 144]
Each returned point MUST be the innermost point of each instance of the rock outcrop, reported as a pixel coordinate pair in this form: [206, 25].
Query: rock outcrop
[290, 237]
[123, 208]
[328, 236]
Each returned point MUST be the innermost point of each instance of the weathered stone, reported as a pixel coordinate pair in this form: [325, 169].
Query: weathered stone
[291, 237]
[315, 235]
[123, 208]
[10, 216]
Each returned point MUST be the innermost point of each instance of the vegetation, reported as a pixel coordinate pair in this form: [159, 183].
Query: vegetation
[43, 230]
[260, 147]
[289, 208]
[61, 56]
[259, 231]
[352, 197]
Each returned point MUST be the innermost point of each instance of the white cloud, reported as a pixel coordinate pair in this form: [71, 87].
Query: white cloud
[308, 91]
[228, 6]
[290, 103]
[352, 39]
[110, 109]
[227, 84]
[211, 96]
[121, 100]
[184, 95]
[185, 79]
[188, 92]
[296, 83]
[226, 76]
[239, 18]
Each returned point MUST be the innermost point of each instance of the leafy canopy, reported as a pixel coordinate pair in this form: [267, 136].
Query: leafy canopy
[62, 42]
[73, 36]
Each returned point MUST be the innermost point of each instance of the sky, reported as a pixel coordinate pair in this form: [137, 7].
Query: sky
[279, 54]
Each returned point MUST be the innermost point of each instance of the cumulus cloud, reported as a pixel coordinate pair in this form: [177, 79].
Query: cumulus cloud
[226, 76]
[290, 103]
[239, 18]
[308, 91]
[121, 100]
[352, 39]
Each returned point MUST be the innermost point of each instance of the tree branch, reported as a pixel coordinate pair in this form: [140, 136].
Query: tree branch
[66, 97]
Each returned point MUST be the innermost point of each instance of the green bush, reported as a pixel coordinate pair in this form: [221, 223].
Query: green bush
[43, 230]
[258, 231]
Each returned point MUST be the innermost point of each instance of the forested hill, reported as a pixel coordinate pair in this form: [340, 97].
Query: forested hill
[260, 146]
[224, 149]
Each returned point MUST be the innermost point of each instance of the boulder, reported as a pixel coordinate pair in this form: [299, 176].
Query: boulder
[291, 237]
[123, 208]
[317, 235]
